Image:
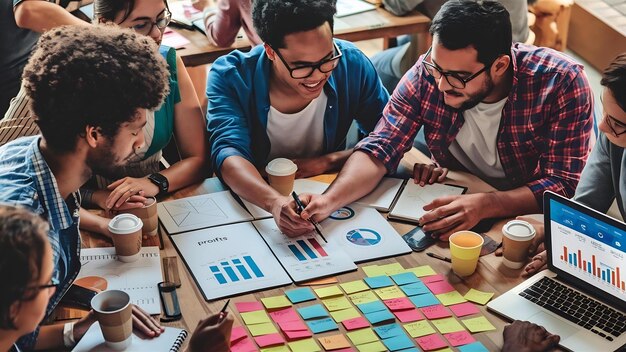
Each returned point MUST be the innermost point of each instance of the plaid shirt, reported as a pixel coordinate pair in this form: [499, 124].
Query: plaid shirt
[545, 129]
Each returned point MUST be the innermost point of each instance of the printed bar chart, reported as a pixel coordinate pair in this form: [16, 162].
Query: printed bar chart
[307, 249]
[226, 270]
[609, 275]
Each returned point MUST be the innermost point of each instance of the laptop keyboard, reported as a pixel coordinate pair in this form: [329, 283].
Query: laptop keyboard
[577, 308]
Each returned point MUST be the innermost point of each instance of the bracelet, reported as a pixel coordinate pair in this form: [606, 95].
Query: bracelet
[68, 335]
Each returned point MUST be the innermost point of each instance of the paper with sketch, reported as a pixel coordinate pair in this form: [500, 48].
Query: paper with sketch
[101, 270]
[410, 204]
[383, 196]
[170, 340]
[305, 257]
[351, 7]
[229, 260]
[207, 210]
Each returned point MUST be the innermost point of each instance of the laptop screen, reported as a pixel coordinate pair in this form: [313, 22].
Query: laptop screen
[588, 246]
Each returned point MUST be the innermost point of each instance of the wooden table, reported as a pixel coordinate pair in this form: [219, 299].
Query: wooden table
[200, 51]
[490, 276]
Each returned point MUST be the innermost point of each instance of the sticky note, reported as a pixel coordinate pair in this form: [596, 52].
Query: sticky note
[314, 311]
[377, 317]
[399, 304]
[298, 334]
[389, 330]
[447, 325]
[375, 346]
[370, 307]
[275, 302]
[269, 340]
[389, 292]
[334, 342]
[438, 287]
[300, 295]
[478, 324]
[404, 278]
[262, 329]
[255, 317]
[337, 303]
[322, 325]
[479, 297]
[463, 309]
[243, 345]
[323, 281]
[416, 288]
[474, 347]
[450, 298]
[398, 342]
[432, 278]
[391, 269]
[424, 270]
[363, 297]
[345, 314]
[362, 336]
[243, 307]
[459, 338]
[292, 325]
[354, 286]
[328, 291]
[435, 312]
[373, 270]
[419, 328]
[424, 300]
[307, 345]
[287, 314]
[355, 323]
[237, 333]
[378, 281]
[431, 342]
[276, 349]
[408, 315]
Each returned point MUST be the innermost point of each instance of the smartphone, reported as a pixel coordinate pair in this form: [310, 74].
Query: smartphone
[79, 297]
[418, 240]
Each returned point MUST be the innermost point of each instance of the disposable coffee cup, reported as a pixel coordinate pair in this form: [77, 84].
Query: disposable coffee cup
[114, 312]
[148, 215]
[126, 233]
[281, 173]
[517, 236]
[465, 249]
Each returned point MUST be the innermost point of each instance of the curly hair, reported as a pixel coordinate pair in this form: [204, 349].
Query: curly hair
[23, 236]
[614, 78]
[96, 76]
[274, 19]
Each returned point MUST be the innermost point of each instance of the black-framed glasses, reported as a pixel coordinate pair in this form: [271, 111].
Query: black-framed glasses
[453, 78]
[324, 65]
[146, 26]
[612, 122]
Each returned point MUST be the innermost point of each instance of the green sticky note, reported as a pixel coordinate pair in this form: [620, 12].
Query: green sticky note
[362, 336]
[276, 349]
[478, 324]
[447, 325]
[363, 297]
[419, 329]
[262, 329]
[257, 317]
[345, 314]
[424, 270]
[375, 346]
[276, 302]
[479, 297]
[392, 269]
[373, 270]
[328, 291]
[337, 303]
[354, 286]
[450, 298]
[307, 345]
[389, 293]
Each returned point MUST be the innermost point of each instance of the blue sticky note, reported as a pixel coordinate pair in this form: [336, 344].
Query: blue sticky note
[314, 311]
[378, 281]
[377, 317]
[322, 325]
[473, 347]
[424, 300]
[300, 295]
[405, 278]
[414, 349]
[371, 307]
[389, 330]
[398, 342]
[416, 288]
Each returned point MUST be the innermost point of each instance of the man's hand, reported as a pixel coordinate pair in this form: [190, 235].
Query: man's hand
[309, 167]
[523, 336]
[288, 221]
[450, 214]
[100, 198]
[123, 189]
[212, 334]
[317, 207]
[145, 323]
[428, 174]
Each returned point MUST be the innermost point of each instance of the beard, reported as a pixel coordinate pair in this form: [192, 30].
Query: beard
[105, 163]
[478, 97]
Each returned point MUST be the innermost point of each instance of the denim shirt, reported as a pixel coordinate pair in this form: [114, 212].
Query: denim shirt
[26, 180]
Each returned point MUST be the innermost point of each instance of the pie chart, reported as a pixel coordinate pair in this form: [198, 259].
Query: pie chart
[364, 237]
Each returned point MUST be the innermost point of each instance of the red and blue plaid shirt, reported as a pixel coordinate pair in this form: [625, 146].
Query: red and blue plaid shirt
[545, 129]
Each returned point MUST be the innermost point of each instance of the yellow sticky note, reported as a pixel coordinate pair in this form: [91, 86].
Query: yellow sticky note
[256, 317]
[354, 286]
[447, 325]
[276, 302]
[262, 329]
[323, 281]
[328, 291]
[345, 314]
[450, 298]
[375, 346]
[372, 270]
[362, 336]
[447, 349]
[392, 269]
[307, 345]
[282, 348]
[334, 342]
[337, 303]
[389, 292]
[363, 297]
[424, 270]
[479, 297]
[419, 328]
[478, 324]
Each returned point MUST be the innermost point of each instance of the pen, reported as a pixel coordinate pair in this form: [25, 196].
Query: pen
[223, 311]
[300, 207]
[437, 256]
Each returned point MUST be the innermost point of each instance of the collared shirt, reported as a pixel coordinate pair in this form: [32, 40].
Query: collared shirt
[543, 139]
[26, 180]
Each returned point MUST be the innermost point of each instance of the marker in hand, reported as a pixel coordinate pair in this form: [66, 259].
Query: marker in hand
[300, 208]
[223, 311]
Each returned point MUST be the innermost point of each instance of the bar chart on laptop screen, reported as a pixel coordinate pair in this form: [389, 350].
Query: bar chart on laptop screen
[608, 274]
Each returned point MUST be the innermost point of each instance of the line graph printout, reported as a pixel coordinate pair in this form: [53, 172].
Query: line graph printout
[410, 204]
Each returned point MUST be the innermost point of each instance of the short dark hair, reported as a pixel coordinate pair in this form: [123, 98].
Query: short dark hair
[96, 76]
[274, 19]
[614, 78]
[483, 24]
[23, 237]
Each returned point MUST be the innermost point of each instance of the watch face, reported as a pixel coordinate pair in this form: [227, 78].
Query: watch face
[160, 181]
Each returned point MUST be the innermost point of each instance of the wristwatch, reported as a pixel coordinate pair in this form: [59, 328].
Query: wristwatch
[161, 182]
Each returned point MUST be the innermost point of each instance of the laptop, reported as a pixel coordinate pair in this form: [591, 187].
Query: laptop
[582, 295]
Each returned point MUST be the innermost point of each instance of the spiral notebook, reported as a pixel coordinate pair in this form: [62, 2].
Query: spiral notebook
[170, 340]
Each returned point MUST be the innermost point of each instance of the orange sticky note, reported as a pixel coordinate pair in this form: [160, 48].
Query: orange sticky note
[334, 342]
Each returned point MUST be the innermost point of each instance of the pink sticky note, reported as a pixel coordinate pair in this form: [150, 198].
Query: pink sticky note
[463, 309]
[287, 314]
[356, 323]
[244, 345]
[349, 349]
[244, 307]
[298, 334]
[174, 39]
[237, 333]
[432, 278]
[459, 338]
[294, 325]
[431, 342]
[399, 303]
[436, 312]
[438, 287]
[269, 340]
[409, 315]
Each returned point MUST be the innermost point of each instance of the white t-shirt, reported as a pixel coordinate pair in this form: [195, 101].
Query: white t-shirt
[298, 135]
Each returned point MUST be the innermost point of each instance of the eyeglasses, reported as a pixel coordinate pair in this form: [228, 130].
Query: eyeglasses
[612, 122]
[304, 71]
[453, 78]
[146, 26]
[54, 283]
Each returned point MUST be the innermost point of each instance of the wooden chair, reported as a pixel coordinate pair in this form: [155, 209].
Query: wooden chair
[551, 23]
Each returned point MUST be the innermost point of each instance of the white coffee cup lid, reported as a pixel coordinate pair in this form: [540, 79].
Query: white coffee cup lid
[124, 224]
[281, 167]
[518, 230]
